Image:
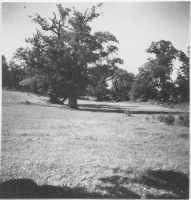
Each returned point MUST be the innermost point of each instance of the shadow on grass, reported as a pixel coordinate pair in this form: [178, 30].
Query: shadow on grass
[175, 182]
[26, 188]
[174, 185]
[119, 109]
[108, 106]
[101, 108]
[186, 136]
[116, 189]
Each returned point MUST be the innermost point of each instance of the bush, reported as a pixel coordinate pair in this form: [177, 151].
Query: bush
[161, 118]
[106, 98]
[183, 119]
[168, 120]
[147, 118]
[154, 102]
[143, 98]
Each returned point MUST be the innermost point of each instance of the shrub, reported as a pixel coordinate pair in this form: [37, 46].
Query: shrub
[143, 98]
[147, 118]
[168, 120]
[161, 118]
[183, 119]
[172, 106]
[154, 102]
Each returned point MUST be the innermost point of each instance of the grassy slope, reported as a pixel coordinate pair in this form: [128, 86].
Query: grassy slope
[108, 153]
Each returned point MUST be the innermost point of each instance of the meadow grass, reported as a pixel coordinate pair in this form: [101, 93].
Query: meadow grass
[107, 153]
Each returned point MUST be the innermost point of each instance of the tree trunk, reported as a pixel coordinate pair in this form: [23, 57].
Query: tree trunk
[72, 101]
[163, 89]
[53, 98]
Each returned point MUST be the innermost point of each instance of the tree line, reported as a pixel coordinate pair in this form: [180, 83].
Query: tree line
[66, 60]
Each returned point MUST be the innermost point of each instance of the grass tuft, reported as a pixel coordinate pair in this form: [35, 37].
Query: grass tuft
[147, 118]
[127, 113]
[183, 119]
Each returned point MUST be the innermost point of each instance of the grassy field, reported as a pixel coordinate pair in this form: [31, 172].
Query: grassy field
[78, 153]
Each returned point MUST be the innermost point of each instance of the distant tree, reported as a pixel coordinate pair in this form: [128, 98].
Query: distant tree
[34, 84]
[5, 73]
[100, 91]
[182, 79]
[98, 81]
[16, 75]
[121, 85]
[65, 49]
[145, 85]
[165, 53]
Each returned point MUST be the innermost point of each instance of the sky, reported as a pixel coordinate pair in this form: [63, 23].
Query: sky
[134, 24]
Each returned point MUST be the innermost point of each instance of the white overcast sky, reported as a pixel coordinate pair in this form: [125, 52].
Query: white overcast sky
[135, 25]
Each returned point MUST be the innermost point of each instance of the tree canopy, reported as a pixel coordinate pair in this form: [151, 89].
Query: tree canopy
[182, 79]
[154, 78]
[145, 85]
[64, 50]
[121, 84]
[162, 65]
[65, 59]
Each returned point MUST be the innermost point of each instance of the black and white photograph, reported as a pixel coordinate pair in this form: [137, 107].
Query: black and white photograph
[95, 100]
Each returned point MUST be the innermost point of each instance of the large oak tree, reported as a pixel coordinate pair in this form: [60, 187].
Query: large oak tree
[64, 49]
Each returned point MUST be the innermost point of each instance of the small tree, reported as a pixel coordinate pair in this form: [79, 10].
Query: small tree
[98, 81]
[163, 64]
[16, 75]
[121, 85]
[65, 49]
[5, 73]
[182, 79]
[145, 85]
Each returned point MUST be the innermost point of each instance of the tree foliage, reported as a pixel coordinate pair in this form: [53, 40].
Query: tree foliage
[121, 84]
[145, 85]
[65, 49]
[154, 78]
[5, 73]
[182, 80]
[165, 53]
[12, 74]
[98, 80]
[16, 75]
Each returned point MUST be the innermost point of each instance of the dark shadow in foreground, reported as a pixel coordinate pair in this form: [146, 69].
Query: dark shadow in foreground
[174, 185]
[26, 188]
[175, 182]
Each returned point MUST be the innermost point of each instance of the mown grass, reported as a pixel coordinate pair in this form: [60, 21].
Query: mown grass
[108, 154]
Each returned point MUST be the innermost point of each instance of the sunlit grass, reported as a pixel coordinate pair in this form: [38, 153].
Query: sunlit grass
[94, 150]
